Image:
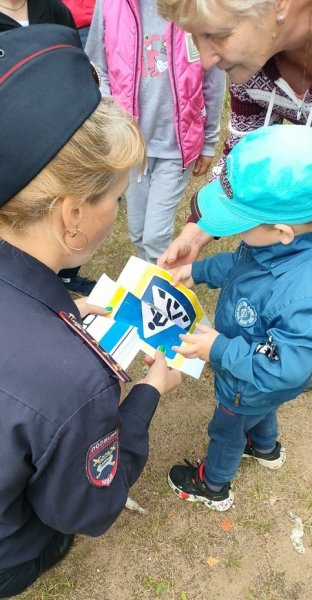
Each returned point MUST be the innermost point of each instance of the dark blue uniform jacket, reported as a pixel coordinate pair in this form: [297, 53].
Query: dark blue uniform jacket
[60, 419]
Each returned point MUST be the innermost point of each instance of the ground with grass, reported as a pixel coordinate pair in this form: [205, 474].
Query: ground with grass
[182, 551]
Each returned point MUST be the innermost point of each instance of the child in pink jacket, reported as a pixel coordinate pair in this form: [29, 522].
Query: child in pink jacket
[152, 68]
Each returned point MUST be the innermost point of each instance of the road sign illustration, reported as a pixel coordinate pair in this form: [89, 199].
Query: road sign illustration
[153, 311]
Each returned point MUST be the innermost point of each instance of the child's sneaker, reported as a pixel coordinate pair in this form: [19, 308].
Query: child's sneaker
[273, 460]
[187, 481]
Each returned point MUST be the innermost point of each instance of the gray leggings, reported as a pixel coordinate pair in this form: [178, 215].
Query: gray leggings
[152, 204]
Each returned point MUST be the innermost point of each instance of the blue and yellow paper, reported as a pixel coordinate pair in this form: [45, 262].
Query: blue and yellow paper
[148, 307]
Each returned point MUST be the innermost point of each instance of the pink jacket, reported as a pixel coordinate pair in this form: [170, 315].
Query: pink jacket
[123, 46]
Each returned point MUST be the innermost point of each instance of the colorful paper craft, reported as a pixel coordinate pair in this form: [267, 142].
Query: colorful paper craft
[147, 312]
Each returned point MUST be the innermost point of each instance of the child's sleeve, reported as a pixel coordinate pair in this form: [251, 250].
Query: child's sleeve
[279, 360]
[213, 270]
[95, 47]
[213, 91]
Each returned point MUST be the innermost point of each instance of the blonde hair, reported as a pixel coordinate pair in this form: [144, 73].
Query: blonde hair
[183, 12]
[91, 163]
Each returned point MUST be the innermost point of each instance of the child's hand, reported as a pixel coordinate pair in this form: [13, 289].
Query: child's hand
[160, 376]
[182, 275]
[199, 344]
[202, 164]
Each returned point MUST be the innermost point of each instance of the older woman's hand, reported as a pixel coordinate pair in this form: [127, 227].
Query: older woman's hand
[185, 248]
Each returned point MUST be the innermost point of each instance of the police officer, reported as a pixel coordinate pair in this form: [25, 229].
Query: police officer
[69, 450]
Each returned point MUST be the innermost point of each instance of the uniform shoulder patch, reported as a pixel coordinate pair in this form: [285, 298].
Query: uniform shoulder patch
[102, 460]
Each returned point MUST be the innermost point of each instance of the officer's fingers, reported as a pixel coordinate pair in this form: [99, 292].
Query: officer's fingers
[97, 310]
[85, 308]
[148, 360]
[175, 378]
[159, 355]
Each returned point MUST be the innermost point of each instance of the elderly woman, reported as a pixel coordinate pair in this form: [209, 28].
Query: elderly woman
[265, 47]
[69, 449]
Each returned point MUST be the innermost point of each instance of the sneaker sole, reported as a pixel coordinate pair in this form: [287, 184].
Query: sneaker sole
[270, 464]
[220, 505]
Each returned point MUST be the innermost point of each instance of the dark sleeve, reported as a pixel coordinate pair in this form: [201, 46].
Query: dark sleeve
[50, 11]
[68, 492]
[63, 16]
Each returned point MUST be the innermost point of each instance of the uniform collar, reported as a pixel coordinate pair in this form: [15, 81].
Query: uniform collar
[279, 258]
[32, 277]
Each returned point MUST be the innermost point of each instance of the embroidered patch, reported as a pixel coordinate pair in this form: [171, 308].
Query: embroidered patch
[102, 460]
[268, 348]
[245, 313]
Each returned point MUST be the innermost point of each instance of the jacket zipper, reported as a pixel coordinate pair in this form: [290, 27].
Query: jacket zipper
[236, 400]
[176, 98]
[136, 58]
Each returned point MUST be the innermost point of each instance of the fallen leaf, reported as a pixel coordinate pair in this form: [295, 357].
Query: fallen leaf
[133, 505]
[212, 562]
[226, 524]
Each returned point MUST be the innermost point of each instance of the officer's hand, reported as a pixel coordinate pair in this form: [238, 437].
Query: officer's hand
[160, 376]
[185, 248]
[198, 345]
[89, 309]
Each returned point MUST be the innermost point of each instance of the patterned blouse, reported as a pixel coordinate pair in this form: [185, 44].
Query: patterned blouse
[266, 99]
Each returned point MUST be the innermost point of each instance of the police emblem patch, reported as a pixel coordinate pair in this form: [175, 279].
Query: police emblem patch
[245, 313]
[102, 460]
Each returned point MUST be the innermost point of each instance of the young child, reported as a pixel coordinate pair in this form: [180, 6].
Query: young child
[261, 347]
[152, 68]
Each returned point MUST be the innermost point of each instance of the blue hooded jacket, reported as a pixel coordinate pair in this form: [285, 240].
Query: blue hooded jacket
[263, 355]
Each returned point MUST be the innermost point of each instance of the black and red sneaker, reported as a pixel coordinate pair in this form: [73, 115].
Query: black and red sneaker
[188, 482]
[272, 460]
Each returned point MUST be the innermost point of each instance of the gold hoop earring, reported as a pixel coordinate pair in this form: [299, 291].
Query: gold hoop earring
[281, 19]
[72, 234]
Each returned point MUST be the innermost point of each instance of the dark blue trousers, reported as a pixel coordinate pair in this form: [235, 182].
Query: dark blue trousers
[15, 580]
[228, 432]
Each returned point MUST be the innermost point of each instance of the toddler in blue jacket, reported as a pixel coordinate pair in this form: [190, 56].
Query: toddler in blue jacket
[261, 347]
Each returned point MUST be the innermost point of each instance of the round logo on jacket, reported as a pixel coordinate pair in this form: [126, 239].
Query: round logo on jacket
[245, 313]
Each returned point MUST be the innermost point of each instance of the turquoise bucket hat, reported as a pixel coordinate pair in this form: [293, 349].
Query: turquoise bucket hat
[266, 179]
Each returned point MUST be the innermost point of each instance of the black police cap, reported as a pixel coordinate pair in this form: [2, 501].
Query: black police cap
[47, 90]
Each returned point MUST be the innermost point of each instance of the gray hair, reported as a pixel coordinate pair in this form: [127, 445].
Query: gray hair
[183, 12]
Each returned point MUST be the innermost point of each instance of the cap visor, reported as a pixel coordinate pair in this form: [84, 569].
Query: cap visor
[217, 215]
